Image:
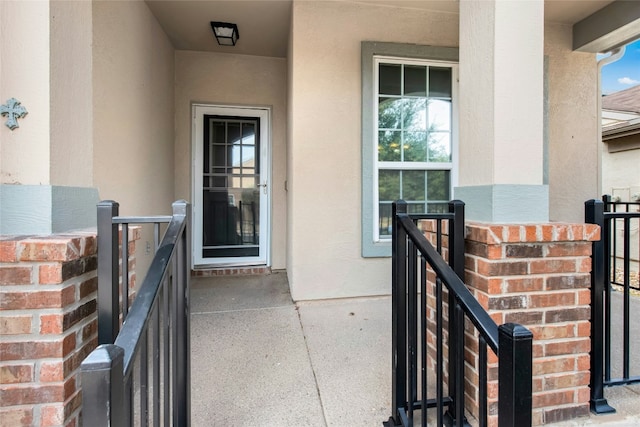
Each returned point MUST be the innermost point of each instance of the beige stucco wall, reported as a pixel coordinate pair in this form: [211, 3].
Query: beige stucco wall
[71, 94]
[46, 65]
[228, 79]
[573, 126]
[24, 75]
[133, 96]
[325, 150]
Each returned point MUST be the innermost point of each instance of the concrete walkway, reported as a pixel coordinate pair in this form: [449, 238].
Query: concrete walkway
[258, 359]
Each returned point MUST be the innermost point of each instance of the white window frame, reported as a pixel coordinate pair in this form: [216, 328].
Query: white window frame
[372, 54]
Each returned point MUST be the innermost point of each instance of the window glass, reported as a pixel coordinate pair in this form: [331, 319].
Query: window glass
[439, 115]
[389, 185]
[415, 147]
[438, 185]
[413, 185]
[389, 146]
[414, 127]
[390, 78]
[440, 147]
[415, 80]
[440, 82]
[390, 113]
[415, 114]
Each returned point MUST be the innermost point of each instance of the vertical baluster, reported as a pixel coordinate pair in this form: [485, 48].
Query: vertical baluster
[128, 401]
[439, 353]
[125, 271]
[459, 364]
[173, 316]
[166, 360]
[156, 363]
[156, 236]
[412, 318]
[608, 228]
[482, 370]
[423, 335]
[144, 379]
[627, 290]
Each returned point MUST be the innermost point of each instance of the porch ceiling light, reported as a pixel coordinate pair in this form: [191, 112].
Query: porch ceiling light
[225, 32]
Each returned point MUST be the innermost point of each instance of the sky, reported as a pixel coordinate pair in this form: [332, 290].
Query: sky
[624, 73]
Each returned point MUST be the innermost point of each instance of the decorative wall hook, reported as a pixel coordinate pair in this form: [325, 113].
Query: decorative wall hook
[15, 111]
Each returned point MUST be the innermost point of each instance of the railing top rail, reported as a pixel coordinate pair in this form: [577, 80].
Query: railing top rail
[622, 214]
[141, 219]
[474, 311]
[445, 215]
[140, 313]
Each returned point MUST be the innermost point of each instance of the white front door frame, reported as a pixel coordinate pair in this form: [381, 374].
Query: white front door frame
[199, 110]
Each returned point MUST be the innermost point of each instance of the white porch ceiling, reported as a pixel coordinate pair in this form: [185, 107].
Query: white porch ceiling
[264, 24]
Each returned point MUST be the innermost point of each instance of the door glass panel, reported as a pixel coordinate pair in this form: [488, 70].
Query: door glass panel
[231, 196]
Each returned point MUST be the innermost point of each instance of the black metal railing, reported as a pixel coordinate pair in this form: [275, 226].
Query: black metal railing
[140, 374]
[610, 268]
[414, 257]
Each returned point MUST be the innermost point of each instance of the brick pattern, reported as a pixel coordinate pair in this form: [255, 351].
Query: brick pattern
[538, 276]
[48, 326]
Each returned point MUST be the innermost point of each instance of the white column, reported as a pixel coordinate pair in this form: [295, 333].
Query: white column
[501, 111]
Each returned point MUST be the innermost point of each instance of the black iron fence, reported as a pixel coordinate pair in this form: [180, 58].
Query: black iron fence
[140, 373]
[412, 396]
[611, 271]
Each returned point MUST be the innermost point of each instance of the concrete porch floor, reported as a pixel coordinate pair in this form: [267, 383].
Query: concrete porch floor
[258, 359]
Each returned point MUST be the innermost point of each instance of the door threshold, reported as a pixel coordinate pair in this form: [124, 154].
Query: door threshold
[254, 270]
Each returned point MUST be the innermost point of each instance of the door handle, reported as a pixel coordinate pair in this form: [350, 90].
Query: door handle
[264, 187]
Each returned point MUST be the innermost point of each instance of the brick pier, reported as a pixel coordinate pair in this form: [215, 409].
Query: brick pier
[538, 276]
[48, 325]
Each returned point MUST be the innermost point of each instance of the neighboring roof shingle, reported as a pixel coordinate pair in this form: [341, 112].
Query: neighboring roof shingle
[625, 100]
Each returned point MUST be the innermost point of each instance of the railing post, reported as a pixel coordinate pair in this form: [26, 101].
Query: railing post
[594, 214]
[103, 387]
[456, 237]
[514, 375]
[398, 303]
[456, 261]
[182, 394]
[108, 292]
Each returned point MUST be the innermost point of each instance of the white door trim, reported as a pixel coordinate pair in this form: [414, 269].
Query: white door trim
[197, 114]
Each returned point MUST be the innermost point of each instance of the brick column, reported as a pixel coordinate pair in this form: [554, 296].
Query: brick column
[48, 326]
[538, 276]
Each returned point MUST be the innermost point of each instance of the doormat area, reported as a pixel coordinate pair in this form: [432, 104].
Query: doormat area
[232, 271]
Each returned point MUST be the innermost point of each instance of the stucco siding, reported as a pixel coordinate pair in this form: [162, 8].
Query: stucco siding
[573, 126]
[325, 127]
[24, 67]
[133, 129]
[214, 78]
[71, 94]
